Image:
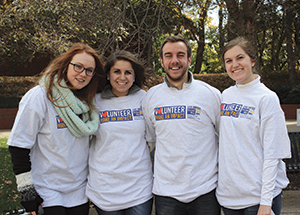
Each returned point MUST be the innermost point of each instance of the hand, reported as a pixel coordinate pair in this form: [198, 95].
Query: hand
[30, 199]
[40, 211]
[264, 210]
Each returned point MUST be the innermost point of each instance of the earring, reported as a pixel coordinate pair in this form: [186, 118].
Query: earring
[107, 78]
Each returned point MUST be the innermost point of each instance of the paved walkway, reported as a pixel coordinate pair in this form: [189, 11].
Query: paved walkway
[291, 198]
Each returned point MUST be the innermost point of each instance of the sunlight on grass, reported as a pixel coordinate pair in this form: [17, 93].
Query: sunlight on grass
[9, 196]
[3, 143]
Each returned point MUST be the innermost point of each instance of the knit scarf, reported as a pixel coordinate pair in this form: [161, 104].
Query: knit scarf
[70, 108]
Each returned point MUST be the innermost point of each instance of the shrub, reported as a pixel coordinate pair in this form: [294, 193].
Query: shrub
[282, 91]
[9, 102]
[16, 86]
[220, 81]
[13, 88]
[293, 96]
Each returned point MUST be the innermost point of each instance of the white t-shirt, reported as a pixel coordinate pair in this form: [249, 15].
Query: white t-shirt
[252, 130]
[59, 159]
[120, 166]
[183, 123]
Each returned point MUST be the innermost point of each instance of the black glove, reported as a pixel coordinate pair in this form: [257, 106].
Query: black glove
[30, 199]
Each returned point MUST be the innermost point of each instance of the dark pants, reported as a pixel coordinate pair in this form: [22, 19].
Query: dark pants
[206, 204]
[142, 209]
[276, 208]
[60, 210]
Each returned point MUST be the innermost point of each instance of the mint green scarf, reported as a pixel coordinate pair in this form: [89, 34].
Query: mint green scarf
[70, 107]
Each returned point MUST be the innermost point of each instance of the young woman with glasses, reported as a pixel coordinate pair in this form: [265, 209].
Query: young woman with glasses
[49, 141]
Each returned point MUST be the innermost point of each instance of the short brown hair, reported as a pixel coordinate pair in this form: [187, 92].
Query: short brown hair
[174, 39]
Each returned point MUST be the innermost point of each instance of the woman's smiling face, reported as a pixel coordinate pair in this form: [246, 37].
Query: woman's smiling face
[76, 79]
[239, 65]
[121, 77]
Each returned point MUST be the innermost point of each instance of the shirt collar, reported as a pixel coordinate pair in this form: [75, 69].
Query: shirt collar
[107, 92]
[184, 84]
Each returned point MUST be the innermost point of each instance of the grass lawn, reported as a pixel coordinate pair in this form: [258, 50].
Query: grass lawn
[9, 195]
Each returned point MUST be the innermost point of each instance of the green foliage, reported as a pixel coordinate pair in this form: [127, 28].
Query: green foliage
[48, 27]
[3, 142]
[157, 65]
[211, 57]
[9, 196]
[32, 26]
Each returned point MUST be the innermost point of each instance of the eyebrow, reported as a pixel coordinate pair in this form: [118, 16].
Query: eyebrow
[235, 56]
[117, 69]
[177, 53]
[80, 64]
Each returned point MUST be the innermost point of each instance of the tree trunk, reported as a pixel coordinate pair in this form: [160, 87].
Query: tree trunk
[243, 16]
[289, 40]
[221, 29]
[201, 35]
[149, 52]
[200, 50]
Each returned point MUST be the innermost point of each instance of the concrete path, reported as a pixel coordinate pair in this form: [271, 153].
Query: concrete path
[291, 198]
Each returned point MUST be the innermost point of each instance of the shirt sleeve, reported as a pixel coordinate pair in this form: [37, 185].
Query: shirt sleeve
[273, 130]
[268, 181]
[20, 159]
[29, 119]
[217, 112]
[150, 130]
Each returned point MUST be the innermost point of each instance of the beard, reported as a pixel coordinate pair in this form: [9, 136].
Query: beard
[176, 78]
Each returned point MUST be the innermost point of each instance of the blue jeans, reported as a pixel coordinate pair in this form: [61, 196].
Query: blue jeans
[142, 209]
[206, 204]
[276, 207]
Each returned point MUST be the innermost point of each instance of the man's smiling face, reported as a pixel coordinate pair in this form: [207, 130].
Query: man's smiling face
[175, 62]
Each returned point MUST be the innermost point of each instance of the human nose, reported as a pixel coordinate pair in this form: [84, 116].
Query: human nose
[174, 59]
[235, 63]
[122, 76]
[84, 72]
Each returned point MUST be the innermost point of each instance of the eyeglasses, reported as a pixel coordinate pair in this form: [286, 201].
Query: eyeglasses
[80, 69]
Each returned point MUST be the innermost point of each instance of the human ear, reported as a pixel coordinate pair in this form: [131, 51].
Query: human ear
[161, 62]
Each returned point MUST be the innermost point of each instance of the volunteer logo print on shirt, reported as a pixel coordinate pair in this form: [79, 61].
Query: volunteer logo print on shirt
[237, 110]
[177, 112]
[115, 115]
[60, 123]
